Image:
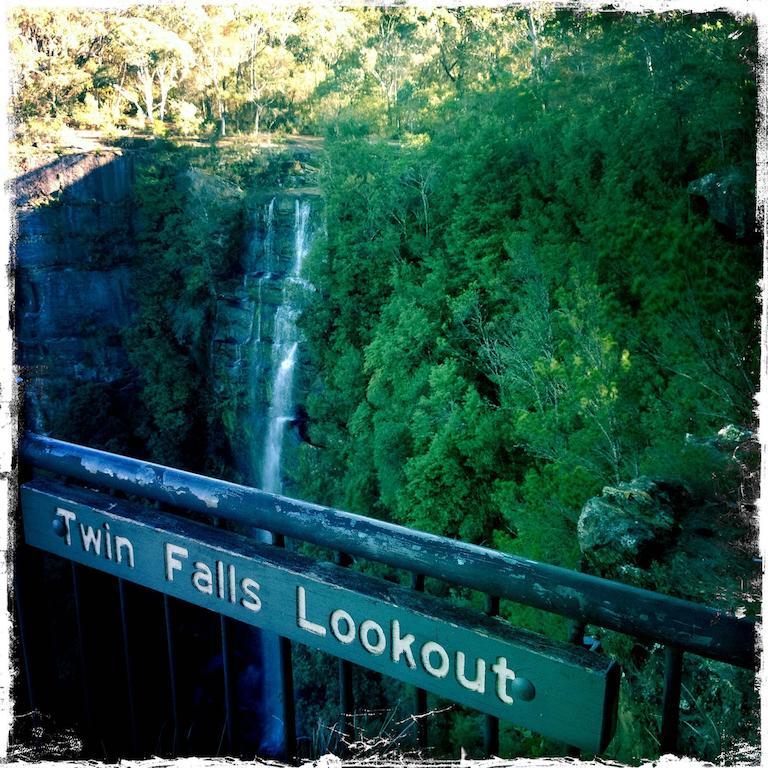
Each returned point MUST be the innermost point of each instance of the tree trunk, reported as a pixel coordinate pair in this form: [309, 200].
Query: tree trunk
[147, 81]
[117, 103]
[133, 99]
[534, 42]
[165, 81]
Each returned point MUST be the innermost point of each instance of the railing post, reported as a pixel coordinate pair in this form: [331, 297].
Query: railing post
[127, 664]
[670, 715]
[576, 637]
[346, 695]
[289, 708]
[286, 680]
[346, 704]
[25, 473]
[229, 726]
[491, 732]
[171, 670]
[21, 623]
[225, 670]
[81, 652]
[420, 695]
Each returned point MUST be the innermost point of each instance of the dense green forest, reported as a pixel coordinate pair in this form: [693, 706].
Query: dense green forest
[523, 295]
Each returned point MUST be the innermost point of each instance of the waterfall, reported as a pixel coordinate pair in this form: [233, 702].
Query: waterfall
[284, 348]
[256, 336]
[284, 359]
[262, 251]
[285, 345]
[269, 237]
[300, 242]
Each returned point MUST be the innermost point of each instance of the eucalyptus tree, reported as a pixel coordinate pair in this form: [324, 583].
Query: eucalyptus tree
[54, 55]
[397, 45]
[217, 39]
[155, 59]
[268, 65]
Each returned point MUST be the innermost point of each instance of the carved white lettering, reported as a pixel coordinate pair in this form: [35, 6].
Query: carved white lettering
[107, 542]
[253, 603]
[220, 579]
[503, 674]
[478, 684]
[122, 543]
[301, 614]
[202, 578]
[172, 563]
[401, 645]
[232, 590]
[338, 616]
[427, 650]
[68, 516]
[366, 628]
[90, 538]
[463, 670]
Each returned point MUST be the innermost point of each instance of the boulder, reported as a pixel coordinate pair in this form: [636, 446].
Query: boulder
[731, 437]
[629, 525]
[730, 199]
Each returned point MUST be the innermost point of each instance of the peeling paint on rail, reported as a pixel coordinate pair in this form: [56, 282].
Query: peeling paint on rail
[587, 599]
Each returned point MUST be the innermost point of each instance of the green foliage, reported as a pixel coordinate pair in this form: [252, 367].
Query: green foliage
[188, 232]
[96, 414]
[718, 707]
[518, 301]
[520, 305]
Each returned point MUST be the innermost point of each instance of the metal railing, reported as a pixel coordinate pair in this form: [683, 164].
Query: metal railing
[681, 626]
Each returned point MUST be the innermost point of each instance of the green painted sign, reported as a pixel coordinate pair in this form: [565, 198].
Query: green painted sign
[558, 690]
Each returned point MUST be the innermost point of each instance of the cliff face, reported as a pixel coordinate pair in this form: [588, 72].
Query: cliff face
[94, 347]
[76, 258]
[73, 249]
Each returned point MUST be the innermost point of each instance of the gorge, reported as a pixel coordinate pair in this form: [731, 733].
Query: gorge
[490, 276]
[77, 263]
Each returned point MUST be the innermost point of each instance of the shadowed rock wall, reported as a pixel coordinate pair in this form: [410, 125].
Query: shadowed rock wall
[73, 250]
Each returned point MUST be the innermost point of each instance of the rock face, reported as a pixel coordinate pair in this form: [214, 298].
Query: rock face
[629, 525]
[73, 247]
[75, 257]
[730, 199]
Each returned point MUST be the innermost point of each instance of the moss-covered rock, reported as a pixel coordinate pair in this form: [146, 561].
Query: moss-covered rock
[630, 524]
[730, 199]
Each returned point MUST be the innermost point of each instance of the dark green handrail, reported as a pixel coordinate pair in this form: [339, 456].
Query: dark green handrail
[688, 626]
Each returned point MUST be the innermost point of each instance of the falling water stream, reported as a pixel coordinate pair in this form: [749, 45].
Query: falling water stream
[284, 357]
[269, 237]
[285, 344]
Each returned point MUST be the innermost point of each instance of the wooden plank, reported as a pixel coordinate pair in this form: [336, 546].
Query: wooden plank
[560, 691]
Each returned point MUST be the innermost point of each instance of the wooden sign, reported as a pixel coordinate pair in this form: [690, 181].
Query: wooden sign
[558, 690]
